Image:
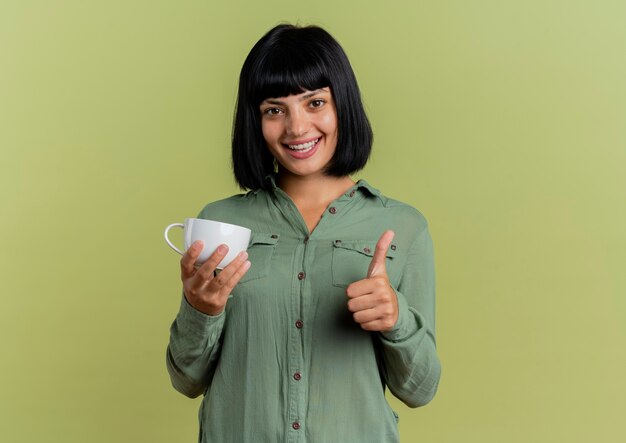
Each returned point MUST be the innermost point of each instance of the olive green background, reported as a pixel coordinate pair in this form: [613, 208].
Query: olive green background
[503, 122]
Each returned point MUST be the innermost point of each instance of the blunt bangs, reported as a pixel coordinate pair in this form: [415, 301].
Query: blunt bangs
[286, 72]
[289, 60]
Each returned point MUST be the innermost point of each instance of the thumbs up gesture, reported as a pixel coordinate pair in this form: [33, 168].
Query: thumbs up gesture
[372, 301]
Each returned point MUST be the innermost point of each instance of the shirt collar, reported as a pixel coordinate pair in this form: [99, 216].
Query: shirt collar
[361, 185]
[364, 184]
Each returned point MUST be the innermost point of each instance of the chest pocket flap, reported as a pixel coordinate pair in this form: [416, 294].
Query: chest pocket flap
[351, 260]
[260, 252]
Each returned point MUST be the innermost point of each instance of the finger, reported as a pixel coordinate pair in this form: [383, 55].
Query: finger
[234, 279]
[377, 265]
[366, 316]
[205, 272]
[366, 286]
[376, 319]
[222, 278]
[189, 258]
[362, 303]
[377, 325]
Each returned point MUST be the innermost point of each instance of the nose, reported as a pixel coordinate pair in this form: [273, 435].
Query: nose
[297, 123]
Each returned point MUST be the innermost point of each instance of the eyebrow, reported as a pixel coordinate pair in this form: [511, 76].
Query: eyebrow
[304, 97]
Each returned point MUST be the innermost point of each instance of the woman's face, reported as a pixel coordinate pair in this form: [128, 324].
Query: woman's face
[301, 131]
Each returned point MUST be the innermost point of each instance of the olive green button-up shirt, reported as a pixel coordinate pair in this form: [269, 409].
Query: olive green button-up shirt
[285, 361]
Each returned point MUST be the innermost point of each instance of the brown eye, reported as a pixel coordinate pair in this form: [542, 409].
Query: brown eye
[318, 102]
[271, 111]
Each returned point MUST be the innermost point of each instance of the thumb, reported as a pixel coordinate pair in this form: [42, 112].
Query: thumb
[378, 265]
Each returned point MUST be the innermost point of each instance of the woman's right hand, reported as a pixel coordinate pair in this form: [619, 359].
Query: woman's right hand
[204, 290]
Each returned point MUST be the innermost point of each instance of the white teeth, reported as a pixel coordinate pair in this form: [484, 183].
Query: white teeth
[304, 146]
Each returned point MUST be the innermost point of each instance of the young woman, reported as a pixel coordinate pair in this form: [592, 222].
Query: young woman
[297, 339]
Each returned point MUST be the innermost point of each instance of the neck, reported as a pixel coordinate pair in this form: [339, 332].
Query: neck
[313, 191]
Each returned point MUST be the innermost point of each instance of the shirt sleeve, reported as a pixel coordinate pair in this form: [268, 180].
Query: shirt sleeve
[193, 349]
[411, 365]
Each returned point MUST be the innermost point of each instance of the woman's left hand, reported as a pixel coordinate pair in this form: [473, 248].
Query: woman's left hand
[373, 301]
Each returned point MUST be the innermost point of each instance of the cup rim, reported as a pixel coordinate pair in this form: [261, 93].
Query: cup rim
[218, 222]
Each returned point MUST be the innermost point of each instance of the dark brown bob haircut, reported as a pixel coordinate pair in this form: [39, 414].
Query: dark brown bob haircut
[290, 60]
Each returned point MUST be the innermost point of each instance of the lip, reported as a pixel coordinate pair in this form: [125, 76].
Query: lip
[301, 142]
[303, 155]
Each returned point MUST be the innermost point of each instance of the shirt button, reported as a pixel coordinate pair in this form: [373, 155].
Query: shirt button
[393, 247]
[337, 241]
[352, 193]
[300, 275]
[297, 376]
[332, 210]
[367, 250]
[306, 239]
[295, 425]
[299, 324]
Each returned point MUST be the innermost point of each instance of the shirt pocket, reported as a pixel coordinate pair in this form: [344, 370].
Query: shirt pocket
[260, 252]
[351, 260]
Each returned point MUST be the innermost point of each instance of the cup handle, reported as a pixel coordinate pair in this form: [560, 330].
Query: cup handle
[180, 225]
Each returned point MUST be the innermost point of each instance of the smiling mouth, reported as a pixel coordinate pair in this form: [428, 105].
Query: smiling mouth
[304, 147]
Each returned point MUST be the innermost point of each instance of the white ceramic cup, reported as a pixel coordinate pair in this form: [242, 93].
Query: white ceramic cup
[213, 234]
